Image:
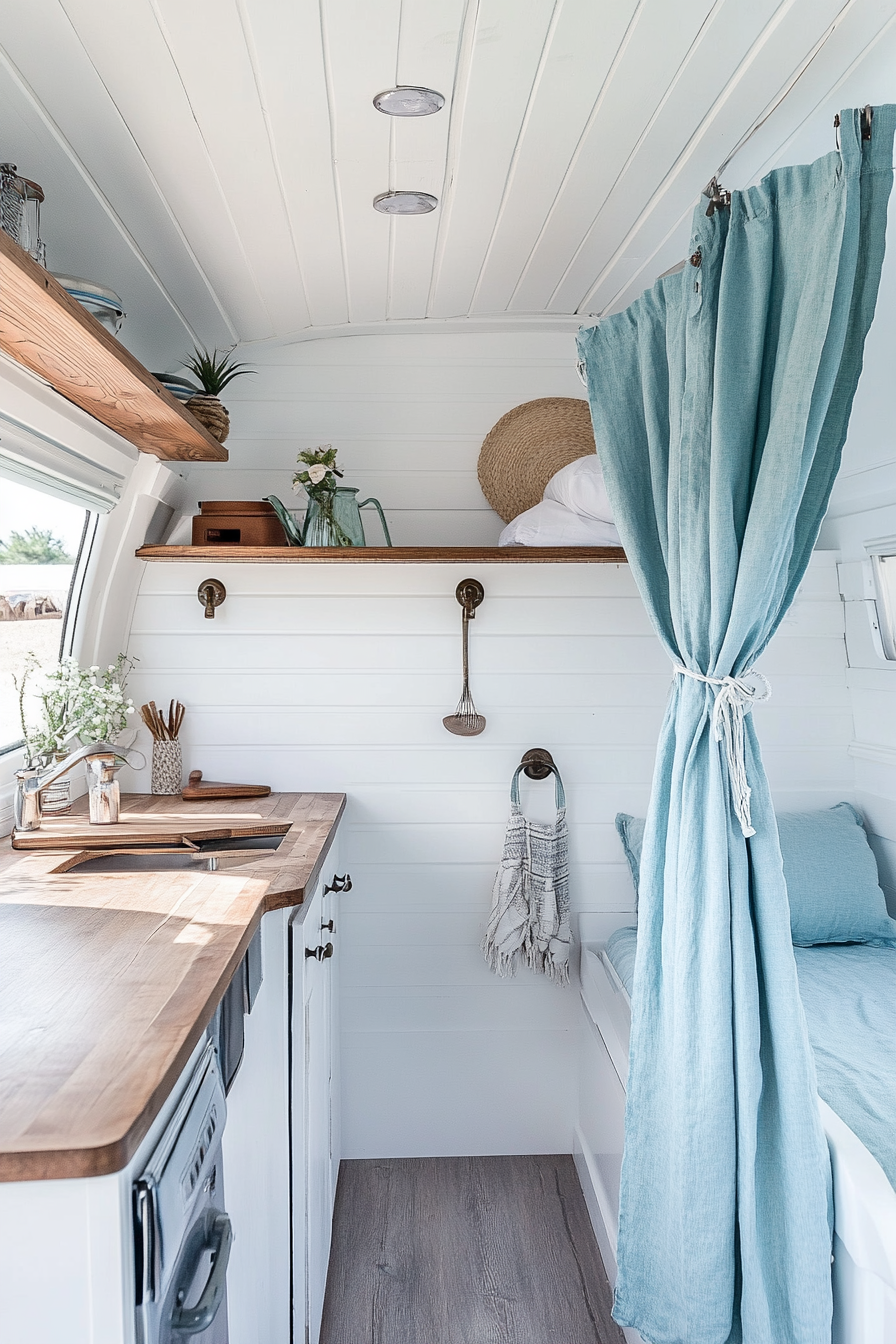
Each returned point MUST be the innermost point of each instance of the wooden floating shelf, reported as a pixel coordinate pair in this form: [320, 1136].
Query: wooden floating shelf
[390, 555]
[44, 328]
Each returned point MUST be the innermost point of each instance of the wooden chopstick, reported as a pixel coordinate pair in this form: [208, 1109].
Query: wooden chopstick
[160, 724]
[163, 730]
[146, 715]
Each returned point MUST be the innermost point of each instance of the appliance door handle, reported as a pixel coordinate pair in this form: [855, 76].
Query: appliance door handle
[147, 1241]
[218, 1239]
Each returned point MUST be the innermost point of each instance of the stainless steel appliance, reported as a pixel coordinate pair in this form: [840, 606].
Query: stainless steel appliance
[227, 1029]
[182, 1235]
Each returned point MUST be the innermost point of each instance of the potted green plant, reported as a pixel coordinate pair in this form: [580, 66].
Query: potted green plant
[213, 372]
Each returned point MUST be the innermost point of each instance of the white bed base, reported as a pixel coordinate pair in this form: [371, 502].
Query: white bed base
[864, 1266]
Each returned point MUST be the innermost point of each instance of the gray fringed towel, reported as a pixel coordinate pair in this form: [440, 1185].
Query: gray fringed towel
[530, 901]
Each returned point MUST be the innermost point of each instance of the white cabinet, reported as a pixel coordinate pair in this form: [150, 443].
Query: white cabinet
[315, 1095]
[281, 1151]
[281, 1141]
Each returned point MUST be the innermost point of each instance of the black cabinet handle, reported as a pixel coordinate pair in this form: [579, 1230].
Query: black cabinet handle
[339, 884]
[320, 953]
[329, 926]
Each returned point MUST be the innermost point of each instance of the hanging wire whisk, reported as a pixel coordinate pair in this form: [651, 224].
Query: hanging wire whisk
[465, 721]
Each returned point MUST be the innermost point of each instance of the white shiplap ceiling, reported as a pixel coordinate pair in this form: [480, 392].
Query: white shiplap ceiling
[216, 160]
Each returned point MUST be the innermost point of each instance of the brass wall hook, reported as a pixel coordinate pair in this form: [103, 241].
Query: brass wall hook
[538, 763]
[469, 593]
[211, 594]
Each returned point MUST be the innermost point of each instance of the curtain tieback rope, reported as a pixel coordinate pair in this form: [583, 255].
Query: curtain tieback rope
[735, 697]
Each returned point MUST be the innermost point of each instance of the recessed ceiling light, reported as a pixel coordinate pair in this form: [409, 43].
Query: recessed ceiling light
[405, 202]
[409, 101]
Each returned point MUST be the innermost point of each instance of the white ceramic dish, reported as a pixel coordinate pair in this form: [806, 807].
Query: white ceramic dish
[100, 301]
[181, 388]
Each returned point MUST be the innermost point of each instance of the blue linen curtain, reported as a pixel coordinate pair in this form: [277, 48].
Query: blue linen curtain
[720, 401]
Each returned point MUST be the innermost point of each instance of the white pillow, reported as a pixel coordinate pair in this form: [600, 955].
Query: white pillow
[580, 486]
[552, 524]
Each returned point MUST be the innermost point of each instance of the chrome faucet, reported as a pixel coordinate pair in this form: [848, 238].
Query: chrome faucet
[101, 758]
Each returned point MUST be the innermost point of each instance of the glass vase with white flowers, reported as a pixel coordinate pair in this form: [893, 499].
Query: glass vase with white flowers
[102, 709]
[319, 481]
[74, 704]
[87, 703]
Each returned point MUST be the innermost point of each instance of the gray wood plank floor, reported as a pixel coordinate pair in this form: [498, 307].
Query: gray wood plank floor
[465, 1250]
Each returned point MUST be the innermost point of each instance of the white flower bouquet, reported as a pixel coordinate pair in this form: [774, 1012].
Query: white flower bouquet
[84, 703]
[319, 481]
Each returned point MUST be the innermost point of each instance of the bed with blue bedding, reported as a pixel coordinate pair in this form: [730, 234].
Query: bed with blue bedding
[844, 943]
[849, 997]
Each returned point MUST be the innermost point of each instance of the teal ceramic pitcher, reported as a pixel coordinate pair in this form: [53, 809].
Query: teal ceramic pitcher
[334, 522]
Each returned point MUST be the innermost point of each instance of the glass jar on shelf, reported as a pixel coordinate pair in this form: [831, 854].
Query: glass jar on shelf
[20, 202]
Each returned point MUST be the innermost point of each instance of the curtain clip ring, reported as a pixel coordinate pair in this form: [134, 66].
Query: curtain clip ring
[719, 198]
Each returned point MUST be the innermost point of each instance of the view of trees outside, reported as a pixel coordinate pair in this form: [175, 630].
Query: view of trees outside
[37, 546]
[39, 537]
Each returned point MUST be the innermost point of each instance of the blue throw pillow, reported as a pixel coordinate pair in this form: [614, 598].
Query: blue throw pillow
[831, 876]
[631, 833]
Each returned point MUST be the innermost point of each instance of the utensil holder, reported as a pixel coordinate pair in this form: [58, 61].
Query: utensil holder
[167, 768]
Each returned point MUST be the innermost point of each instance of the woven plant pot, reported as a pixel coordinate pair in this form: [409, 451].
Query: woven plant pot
[527, 447]
[210, 413]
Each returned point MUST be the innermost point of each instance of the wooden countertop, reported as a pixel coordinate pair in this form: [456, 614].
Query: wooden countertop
[107, 981]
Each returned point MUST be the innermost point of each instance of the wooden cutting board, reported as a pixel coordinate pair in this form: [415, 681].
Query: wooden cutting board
[198, 789]
[176, 827]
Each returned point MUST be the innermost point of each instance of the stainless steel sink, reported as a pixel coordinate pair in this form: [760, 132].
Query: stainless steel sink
[140, 863]
[241, 842]
[208, 857]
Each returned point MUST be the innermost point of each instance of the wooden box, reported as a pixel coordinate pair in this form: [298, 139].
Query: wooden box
[236, 522]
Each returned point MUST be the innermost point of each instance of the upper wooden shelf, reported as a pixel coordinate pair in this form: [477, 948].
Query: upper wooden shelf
[395, 555]
[44, 328]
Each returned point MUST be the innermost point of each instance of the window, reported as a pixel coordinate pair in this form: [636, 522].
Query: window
[40, 540]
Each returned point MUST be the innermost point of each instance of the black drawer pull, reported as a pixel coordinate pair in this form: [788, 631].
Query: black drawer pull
[329, 926]
[339, 884]
[320, 953]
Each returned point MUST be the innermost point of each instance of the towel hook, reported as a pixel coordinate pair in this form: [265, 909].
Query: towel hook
[469, 593]
[211, 594]
[538, 764]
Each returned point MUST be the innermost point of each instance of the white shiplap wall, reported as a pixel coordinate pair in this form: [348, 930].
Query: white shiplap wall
[872, 682]
[863, 510]
[407, 414]
[336, 678]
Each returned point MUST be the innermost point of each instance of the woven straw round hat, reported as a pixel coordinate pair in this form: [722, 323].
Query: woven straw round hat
[527, 447]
